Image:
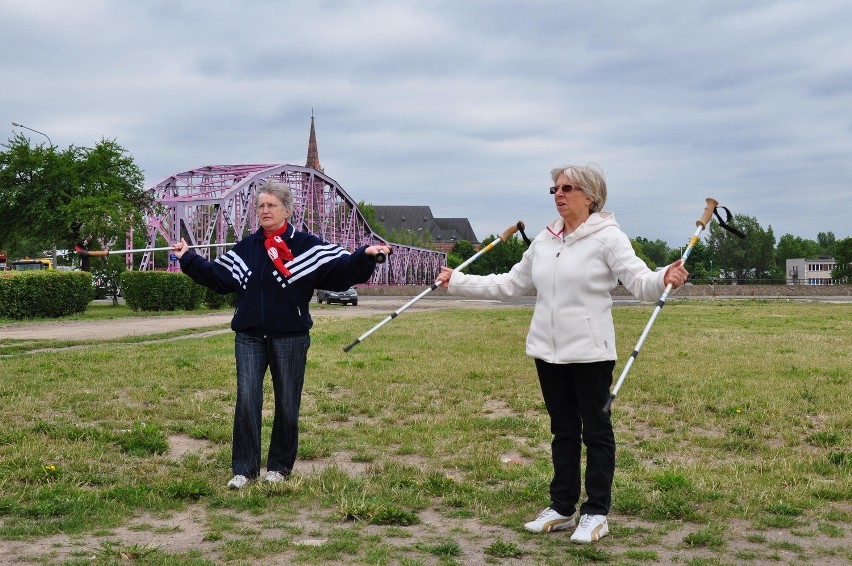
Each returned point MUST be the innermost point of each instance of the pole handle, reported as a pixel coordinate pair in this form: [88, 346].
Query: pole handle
[708, 213]
[511, 230]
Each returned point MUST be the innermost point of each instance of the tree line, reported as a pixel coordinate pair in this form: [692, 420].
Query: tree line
[722, 258]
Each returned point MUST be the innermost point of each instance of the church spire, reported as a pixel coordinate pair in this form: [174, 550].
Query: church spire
[313, 153]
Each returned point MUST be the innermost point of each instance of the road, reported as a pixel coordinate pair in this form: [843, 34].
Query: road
[147, 325]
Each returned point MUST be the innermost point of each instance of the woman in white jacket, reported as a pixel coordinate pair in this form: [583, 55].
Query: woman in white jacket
[573, 265]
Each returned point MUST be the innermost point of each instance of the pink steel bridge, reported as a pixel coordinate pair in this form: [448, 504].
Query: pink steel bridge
[215, 205]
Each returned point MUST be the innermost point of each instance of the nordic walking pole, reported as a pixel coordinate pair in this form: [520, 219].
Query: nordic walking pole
[101, 253]
[701, 223]
[380, 257]
[501, 238]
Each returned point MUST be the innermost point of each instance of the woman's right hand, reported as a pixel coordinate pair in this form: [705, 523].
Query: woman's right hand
[444, 276]
[180, 248]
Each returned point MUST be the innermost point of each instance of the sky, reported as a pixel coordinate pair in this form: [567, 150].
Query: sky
[463, 105]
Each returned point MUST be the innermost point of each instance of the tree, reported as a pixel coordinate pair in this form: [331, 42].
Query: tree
[408, 237]
[463, 249]
[106, 273]
[640, 251]
[657, 251]
[62, 197]
[32, 180]
[460, 252]
[791, 247]
[369, 212]
[826, 243]
[843, 261]
[500, 258]
[748, 259]
[699, 263]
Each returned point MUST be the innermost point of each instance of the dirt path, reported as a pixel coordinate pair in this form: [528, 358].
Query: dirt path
[146, 325]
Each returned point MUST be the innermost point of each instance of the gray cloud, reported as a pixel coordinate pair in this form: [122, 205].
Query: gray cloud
[464, 106]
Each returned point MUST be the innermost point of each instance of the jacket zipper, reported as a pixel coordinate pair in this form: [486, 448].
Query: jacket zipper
[554, 295]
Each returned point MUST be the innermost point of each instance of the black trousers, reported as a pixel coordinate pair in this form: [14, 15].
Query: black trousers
[575, 395]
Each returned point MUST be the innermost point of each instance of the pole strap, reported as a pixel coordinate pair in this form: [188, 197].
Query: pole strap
[725, 223]
[523, 234]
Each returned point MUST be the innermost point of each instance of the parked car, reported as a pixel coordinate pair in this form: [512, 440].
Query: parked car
[349, 296]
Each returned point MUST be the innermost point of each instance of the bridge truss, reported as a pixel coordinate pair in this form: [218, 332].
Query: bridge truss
[215, 205]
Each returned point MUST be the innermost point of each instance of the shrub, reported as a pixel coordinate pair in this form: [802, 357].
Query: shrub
[215, 300]
[44, 294]
[160, 291]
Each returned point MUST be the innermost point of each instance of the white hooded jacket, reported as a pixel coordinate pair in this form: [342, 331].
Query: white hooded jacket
[573, 275]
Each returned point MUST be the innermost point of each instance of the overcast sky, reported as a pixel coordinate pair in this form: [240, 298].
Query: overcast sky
[463, 105]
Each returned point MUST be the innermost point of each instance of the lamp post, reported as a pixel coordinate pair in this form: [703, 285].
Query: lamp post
[17, 125]
[50, 141]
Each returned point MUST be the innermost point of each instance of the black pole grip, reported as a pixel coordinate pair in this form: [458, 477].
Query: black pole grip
[608, 405]
[381, 258]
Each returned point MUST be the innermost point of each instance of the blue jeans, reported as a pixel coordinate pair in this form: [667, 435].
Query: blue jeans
[575, 395]
[285, 358]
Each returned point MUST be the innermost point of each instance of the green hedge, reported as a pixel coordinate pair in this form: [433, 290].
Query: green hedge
[44, 294]
[215, 300]
[160, 291]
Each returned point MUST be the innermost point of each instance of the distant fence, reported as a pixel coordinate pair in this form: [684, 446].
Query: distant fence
[685, 291]
[754, 291]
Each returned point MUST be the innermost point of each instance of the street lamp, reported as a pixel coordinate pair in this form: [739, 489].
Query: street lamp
[17, 125]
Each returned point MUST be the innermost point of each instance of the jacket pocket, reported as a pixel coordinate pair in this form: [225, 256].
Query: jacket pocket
[595, 334]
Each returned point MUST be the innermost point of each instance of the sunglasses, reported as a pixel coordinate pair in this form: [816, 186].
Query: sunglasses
[565, 189]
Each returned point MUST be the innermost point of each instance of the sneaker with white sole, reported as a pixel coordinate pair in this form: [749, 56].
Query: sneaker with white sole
[549, 520]
[592, 528]
[238, 482]
[274, 477]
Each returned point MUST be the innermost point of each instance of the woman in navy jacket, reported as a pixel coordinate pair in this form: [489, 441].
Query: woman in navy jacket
[274, 273]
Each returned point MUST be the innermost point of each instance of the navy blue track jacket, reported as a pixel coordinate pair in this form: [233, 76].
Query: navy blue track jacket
[269, 303]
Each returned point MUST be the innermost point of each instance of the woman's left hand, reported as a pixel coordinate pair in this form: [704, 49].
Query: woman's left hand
[676, 274]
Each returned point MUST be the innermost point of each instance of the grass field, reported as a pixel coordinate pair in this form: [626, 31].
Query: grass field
[429, 444]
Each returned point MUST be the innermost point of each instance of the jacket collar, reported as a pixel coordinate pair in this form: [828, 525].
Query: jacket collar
[288, 233]
[596, 221]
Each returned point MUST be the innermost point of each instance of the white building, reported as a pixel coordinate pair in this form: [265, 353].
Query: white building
[802, 271]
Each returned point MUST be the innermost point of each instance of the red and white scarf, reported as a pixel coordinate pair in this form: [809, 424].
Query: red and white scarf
[278, 250]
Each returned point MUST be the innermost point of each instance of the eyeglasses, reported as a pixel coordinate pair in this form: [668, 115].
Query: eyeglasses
[267, 206]
[565, 189]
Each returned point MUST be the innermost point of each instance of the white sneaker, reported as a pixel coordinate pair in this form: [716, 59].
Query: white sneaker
[238, 482]
[549, 520]
[275, 477]
[592, 528]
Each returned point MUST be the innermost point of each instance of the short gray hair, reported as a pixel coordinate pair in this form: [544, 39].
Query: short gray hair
[277, 189]
[590, 178]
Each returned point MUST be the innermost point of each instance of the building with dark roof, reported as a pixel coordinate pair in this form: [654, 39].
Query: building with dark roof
[446, 232]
